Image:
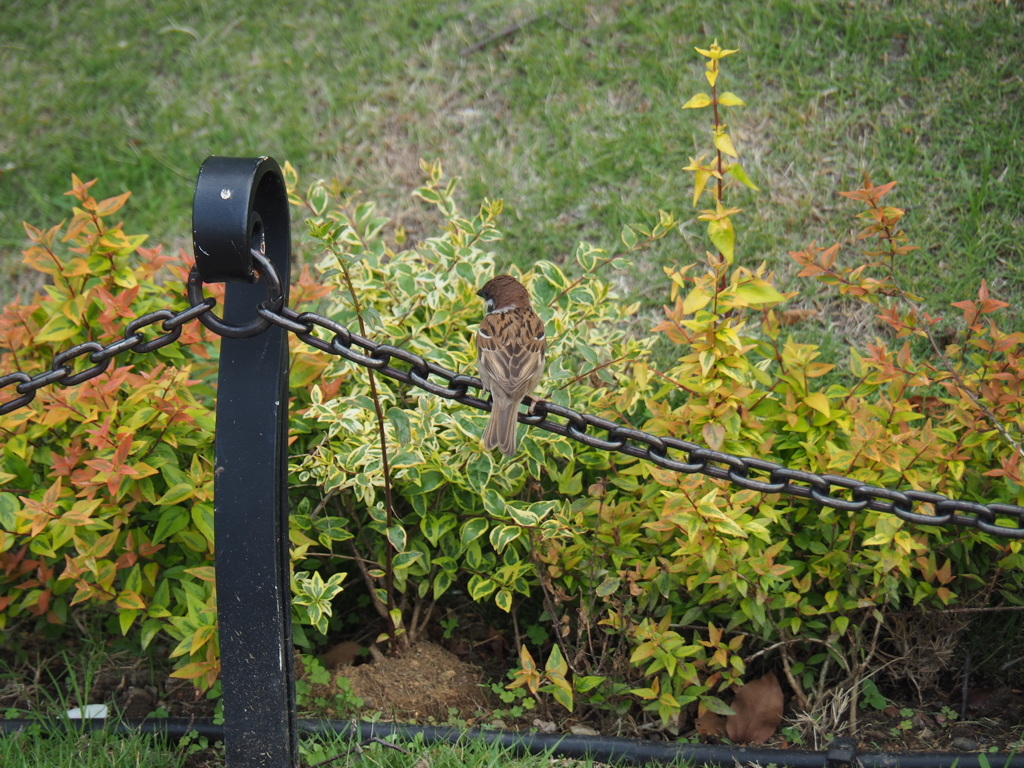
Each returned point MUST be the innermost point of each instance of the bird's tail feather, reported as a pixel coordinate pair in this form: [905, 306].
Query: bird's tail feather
[501, 429]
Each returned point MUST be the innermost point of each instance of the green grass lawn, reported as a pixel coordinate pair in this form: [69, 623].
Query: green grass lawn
[573, 120]
[87, 750]
[104, 750]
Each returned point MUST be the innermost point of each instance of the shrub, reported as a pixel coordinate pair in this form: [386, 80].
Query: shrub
[697, 574]
[442, 508]
[107, 485]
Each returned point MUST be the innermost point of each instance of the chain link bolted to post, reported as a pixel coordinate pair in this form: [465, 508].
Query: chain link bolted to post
[744, 472]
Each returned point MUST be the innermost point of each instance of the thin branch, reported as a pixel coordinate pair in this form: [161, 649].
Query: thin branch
[389, 573]
[593, 370]
[509, 30]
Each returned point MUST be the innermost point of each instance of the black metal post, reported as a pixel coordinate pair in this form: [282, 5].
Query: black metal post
[241, 205]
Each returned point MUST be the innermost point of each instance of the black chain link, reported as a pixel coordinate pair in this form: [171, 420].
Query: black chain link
[643, 445]
[62, 372]
[620, 438]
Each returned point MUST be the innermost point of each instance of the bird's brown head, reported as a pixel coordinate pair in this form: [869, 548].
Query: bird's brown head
[503, 293]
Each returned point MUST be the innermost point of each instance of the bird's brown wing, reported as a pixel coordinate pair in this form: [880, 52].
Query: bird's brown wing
[510, 347]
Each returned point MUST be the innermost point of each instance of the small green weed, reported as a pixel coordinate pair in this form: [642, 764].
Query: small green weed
[517, 697]
[449, 626]
[337, 702]
[870, 696]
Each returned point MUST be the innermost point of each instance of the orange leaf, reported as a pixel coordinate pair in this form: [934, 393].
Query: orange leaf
[714, 435]
[111, 204]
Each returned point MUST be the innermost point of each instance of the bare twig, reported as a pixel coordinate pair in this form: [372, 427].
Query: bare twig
[781, 643]
[966, 687]
[992, 609]
[509, 30]
[593, 370]
[382, 609]
[1009, 664]
[798, 690]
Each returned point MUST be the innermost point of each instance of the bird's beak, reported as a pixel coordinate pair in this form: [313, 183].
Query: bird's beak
[480, 293]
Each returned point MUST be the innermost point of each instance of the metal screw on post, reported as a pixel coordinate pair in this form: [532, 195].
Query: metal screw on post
[240, 231]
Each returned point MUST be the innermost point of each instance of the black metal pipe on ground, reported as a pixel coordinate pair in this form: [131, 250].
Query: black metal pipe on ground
[600, 748]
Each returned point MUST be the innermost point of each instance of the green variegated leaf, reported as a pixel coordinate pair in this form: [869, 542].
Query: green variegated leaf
[723, 235]
[756, 292]
[479, 587]
[172, 520]
[588, 682]
[473, 529]
[442, 581]
[396, 535]
[717, 706]
[400, 421]
[504, 600]
[478, 471]
[502, 536]
[522, 514]
[405, 559]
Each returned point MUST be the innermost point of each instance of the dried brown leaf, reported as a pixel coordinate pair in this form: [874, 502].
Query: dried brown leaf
[758, 707]
[710, 724]
[341, 655]
[794, 316]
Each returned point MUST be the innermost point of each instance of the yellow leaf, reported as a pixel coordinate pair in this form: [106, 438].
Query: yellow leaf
[697, 299]
[700, 180]
[715, 52]
[756, 291]
[191, 671]
[291, 176]
[698, 101]
[818, 402]
[177, 492]
[74, 308]
[58, 328]
[639, 375]
[204, 572]
[857, 366]
[728, 99]
[711, 75]
[125, 619]
[130, 600]
[818, 369]
[723, 236]
[724, 143]
[201, 637]
[76, 268]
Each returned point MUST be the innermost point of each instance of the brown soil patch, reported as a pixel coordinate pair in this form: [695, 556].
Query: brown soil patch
[425, 681]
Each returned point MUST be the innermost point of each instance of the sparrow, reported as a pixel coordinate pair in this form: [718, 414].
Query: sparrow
[510, 346]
